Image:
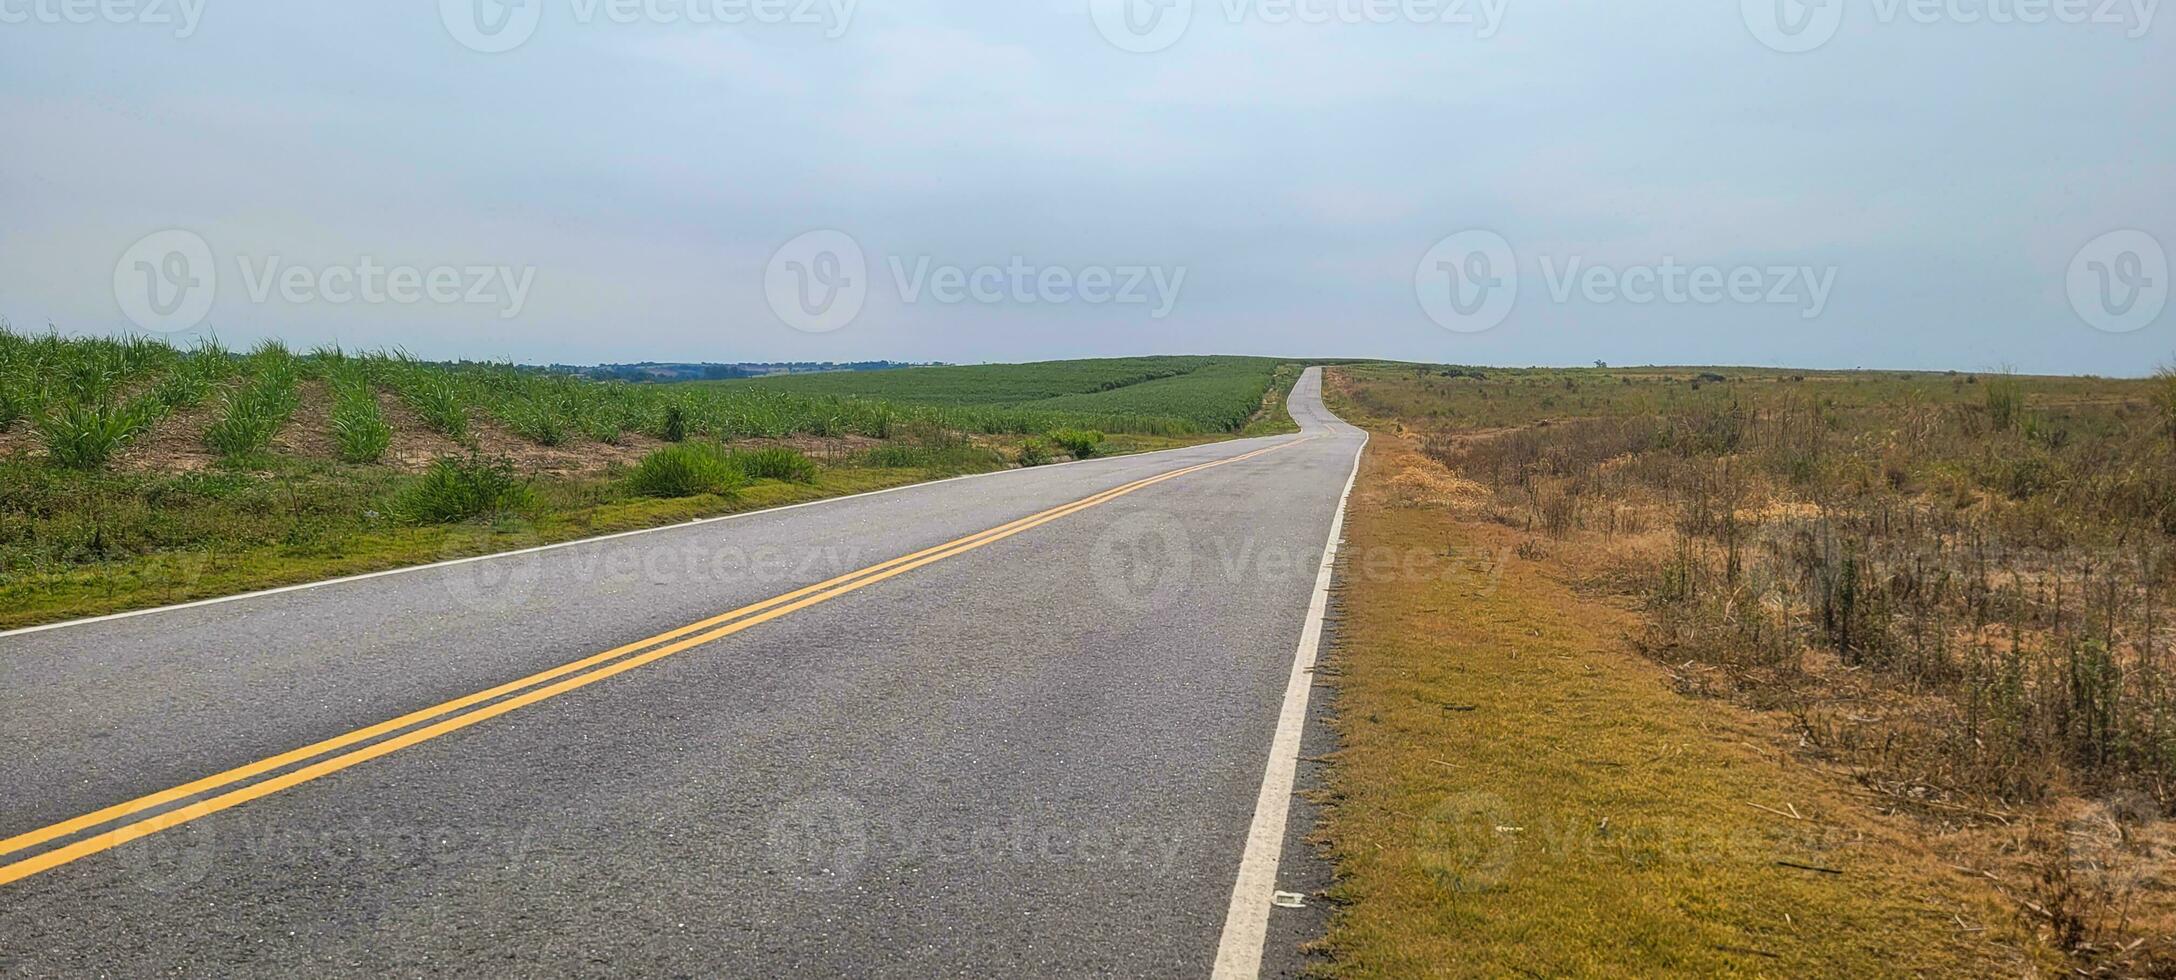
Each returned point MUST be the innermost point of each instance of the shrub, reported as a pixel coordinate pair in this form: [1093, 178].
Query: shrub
[455, 490]
[12, 407]
[436, 396]
[255, 411]
[776, 463]
[686, 470]
[2005, 402]
[358, 425]
[894, 456]
[192, 379]
[537, 420]
[2164, 398]
[84, 435]
[2023, 475]
[676, 424]
[1034, 452]
[602, 427]
[1077, 443]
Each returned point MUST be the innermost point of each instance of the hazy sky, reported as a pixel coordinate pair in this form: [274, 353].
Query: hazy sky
[1938, 178]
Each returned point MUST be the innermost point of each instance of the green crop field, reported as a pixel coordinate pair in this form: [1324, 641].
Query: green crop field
[134, 472]
[1129, 394]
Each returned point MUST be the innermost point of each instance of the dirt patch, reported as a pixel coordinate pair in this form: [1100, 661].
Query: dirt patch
[21, 440]
[175, 443]
[1433, 486]
[414, 443]
[576, 457]
[309, 432]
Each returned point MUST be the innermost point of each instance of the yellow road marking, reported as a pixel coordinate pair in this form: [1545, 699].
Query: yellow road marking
[734, 622]
[285, 759]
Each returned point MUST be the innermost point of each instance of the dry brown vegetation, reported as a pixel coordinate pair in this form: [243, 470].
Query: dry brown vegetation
[1950, 591]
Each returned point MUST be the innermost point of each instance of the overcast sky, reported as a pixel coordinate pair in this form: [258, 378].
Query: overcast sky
[1929, 186]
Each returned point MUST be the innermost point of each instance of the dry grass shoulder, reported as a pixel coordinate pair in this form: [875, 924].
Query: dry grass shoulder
[1519, 792]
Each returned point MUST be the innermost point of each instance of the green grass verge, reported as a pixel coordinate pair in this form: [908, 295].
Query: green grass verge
[163, 578]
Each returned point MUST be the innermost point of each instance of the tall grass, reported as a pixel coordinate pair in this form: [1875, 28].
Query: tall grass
[937, 450]
[535, 419]
[16, 399]
[359, 429]
[432, 391]
[2005, 402]
[687, 469]
[255, 411]
[2010, 568]
[775, 463]
[455, 490]
[195, 376]
[1078, 443]
[2164, 398]
[85, 435]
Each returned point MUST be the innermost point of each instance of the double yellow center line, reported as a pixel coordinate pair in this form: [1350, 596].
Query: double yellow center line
[461, 712]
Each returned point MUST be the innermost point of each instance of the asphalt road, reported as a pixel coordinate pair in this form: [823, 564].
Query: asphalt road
[1038, 756]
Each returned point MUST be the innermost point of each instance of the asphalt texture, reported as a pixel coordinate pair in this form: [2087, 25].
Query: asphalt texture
[1036, 758]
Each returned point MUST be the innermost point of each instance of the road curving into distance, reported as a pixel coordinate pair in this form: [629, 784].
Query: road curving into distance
[1016, 724]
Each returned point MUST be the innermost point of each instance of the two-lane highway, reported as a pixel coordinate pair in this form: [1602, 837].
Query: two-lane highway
[1016, 724]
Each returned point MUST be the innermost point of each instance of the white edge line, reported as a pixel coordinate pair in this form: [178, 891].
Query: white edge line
[406, 569]
[1246, 922]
